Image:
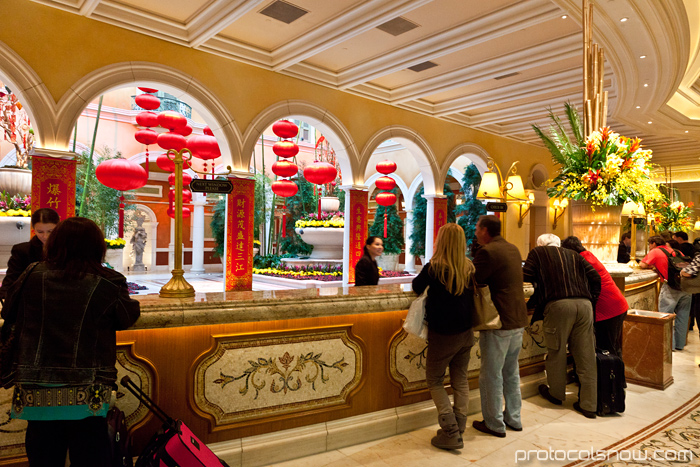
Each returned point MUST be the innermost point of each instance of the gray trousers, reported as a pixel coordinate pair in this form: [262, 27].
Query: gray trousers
[451, 351]
[571, 321]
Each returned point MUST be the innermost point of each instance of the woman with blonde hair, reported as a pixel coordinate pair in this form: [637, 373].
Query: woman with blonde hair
[448, 310]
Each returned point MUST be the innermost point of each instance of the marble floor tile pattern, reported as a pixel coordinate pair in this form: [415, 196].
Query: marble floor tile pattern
[545, 426]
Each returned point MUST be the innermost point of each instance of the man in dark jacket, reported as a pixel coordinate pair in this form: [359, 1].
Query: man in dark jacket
[569, 287]
[498, 265]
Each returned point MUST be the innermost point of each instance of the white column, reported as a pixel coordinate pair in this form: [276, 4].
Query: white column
[410, 261]
[429, 226]
[171, 246]
[198, 201]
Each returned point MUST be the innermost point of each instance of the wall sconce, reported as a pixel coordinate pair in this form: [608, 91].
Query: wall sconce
[697, 225]
[527, 205]
[510, 190]
[560, 206]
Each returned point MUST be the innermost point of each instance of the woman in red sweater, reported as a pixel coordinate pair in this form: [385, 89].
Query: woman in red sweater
[611, 308]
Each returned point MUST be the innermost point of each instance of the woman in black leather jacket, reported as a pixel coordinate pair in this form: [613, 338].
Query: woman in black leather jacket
[61, 317]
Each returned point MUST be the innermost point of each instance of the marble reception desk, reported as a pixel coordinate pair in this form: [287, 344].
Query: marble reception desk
[239, 365]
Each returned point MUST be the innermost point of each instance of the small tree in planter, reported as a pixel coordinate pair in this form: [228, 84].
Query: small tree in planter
[394, 241]
[420, 212]
[471, 208]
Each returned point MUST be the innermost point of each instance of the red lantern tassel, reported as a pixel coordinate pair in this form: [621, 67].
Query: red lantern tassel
[146, 161]
[284, 217]
[121, 216]
[384, 224]
[319, 208]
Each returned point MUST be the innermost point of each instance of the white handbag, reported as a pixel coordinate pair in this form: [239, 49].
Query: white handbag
[415, 319]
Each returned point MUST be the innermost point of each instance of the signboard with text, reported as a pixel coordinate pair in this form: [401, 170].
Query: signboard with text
[357, 224]
[53, 185]
[211, 186]
[440, 211]
[239, 235]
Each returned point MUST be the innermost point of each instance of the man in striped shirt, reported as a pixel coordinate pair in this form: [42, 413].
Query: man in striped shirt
[568, 287]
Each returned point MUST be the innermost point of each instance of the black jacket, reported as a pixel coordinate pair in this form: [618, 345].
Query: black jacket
[366, 271]
[22, 255]
[65, 329]
[445, 313]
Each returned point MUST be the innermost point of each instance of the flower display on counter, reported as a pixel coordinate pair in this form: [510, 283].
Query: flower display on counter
[319, 273]
[328, 219]
[605, 168]
[115, 244]
[15, 206]
[674, 217]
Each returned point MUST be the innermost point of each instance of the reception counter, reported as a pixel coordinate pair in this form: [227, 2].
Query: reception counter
[304, 370]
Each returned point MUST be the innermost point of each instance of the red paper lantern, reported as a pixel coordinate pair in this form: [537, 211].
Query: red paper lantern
[121, 174]
[171, 120]
[385, 183]
[320, 173]
[386, 167]
[147, 119]
[284, 169]
[285, 129]
[186, 196]
[171, 140]
[151, 90]
[185, 212]
[204, 147]
[207, 131]
[146, 136]
[147, 101]
[167, 164]
[284, 188]
[285, 148]
[184, 131]
[186, 179]
[385, 198]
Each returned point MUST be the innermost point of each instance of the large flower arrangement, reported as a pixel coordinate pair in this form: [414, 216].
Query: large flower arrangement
[15, 206]
[328, 219]
[674, 217]
[605, 169]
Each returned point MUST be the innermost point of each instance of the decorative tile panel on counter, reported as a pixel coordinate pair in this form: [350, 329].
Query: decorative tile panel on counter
[254, 376]
[142, 374]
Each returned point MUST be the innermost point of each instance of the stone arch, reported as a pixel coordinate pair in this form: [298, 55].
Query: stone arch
[471, 151]
[331, 127]
[415, 144]
[26, 84]
[162, 77]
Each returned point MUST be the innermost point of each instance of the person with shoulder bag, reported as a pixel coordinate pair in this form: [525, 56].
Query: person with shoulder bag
[448, 311]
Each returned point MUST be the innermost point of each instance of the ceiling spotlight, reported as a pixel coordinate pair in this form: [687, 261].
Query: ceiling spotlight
[639, 107]
[642, 56]
[649, 123]
[646, 85]
[686, 131]
[622, 20]
[564, 16]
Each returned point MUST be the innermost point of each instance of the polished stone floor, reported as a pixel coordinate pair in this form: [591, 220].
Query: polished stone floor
[545, 426]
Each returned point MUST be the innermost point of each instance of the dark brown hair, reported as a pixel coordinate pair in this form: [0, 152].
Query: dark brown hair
[76, 246]
[492, 224]
[658, 240]
[45, 216]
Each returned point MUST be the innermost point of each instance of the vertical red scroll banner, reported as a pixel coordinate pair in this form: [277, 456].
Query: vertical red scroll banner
[53, 185]
[357, 224]
[440, 219]
[239, 239]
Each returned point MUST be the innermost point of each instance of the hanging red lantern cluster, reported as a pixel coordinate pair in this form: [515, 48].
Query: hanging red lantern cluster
[385, 198]
[284, 188]
[147, 119]
[320, 173]
[121, 175]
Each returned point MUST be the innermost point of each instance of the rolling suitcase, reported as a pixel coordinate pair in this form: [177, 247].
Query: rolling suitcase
[611, 383]
[174, 445]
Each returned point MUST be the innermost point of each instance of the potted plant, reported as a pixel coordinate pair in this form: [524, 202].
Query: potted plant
[15, 220]
[598, 174]
[114, 256]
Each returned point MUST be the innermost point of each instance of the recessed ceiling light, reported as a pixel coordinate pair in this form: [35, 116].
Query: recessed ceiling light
[564, 16]
[622, 20]
[686, 131]
[642, 56]
[649, 123]
[646, 85]
[639, 106]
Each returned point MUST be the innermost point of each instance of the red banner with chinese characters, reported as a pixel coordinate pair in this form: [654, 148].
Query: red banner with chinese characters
[239, 236]
[53, 185]
[440, 218]
[357, 224]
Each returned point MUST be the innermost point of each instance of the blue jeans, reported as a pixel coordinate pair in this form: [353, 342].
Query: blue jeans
[499, 378]
[675, 301]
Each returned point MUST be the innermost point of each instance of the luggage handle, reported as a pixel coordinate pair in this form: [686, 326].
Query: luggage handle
[147, 401]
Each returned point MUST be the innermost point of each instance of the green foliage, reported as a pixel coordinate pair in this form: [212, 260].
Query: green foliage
[298, 205]
[269, 261]
[471, 208]
[218, 226]
[560, 145]
[263, 196]
[102, 202]
[394, 242]
[420, 212]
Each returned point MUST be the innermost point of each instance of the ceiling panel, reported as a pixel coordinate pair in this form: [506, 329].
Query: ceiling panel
[178, 10]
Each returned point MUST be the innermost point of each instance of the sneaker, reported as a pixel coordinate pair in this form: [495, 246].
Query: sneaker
[544, 392]
[585, 413]
[481, 426]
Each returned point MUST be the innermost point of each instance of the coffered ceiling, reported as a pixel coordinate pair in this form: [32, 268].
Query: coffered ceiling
[494, 65]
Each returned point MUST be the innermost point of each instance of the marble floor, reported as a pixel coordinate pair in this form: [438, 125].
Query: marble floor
[545, 426]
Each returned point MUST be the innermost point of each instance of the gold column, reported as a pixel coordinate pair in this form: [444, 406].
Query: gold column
[595, 100]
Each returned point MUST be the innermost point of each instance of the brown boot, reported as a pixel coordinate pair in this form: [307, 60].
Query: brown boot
[448, 436]
[461, 422]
